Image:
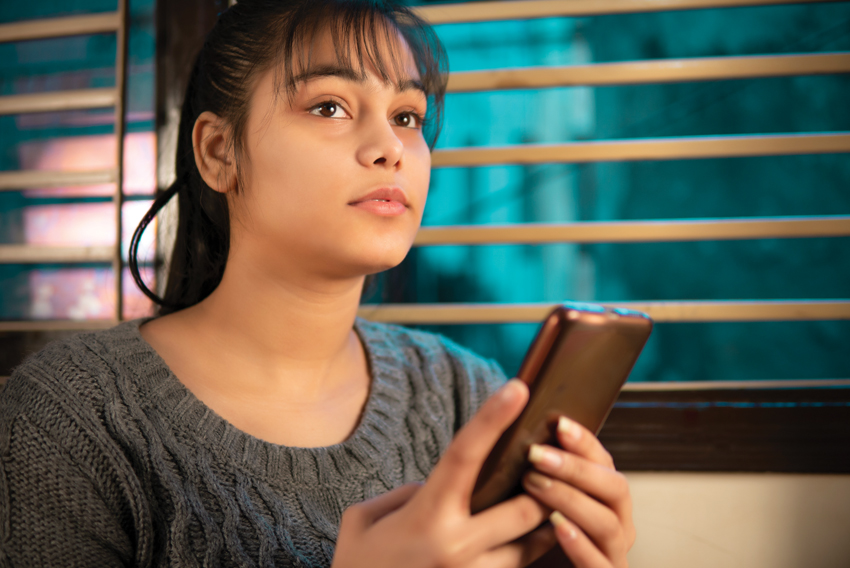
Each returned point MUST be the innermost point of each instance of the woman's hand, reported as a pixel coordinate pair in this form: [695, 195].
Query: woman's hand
[591, 499]
[430, 525]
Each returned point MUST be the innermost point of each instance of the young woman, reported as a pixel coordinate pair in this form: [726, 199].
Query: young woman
[257, 421]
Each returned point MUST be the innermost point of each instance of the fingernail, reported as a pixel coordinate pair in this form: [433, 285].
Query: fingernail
[560, 522]
[538, 480]
[569, 428]
[541, 455]
[508, 389]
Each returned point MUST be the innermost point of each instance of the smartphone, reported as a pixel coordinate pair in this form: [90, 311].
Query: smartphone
[575, 367]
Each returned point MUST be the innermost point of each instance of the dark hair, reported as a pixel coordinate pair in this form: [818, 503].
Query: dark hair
[249, 38]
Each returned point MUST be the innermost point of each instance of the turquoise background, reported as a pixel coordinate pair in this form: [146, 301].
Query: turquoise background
[759, 269]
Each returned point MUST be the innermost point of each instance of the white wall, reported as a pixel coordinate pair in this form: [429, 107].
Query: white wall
[691, 520]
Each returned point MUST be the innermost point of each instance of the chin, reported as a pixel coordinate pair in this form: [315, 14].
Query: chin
[379, 261]
[383, 251]
[376, 267]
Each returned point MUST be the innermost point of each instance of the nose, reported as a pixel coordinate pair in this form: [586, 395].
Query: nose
[380, 147]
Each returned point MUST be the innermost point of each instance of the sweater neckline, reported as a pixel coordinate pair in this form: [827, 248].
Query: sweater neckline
[178, 410]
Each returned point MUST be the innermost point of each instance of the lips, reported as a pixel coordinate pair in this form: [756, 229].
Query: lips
[384, 202]
[384, 194]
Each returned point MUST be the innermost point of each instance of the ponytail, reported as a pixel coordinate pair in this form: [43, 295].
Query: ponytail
[203, 225]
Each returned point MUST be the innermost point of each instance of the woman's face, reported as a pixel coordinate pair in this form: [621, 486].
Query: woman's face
[336, 175]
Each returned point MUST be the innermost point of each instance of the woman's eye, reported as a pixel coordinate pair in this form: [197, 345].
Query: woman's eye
[329, 109]
[408, 119]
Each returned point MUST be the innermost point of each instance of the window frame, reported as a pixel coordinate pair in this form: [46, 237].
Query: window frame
[776, 426]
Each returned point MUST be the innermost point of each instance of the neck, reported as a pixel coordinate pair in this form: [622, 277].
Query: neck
[280, 328]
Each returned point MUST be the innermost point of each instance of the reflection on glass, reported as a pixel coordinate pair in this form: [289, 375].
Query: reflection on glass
[91, 153]
[87, 224]
[84, 294]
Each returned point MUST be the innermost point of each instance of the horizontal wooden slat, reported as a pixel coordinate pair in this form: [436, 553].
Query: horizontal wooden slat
[11, 181]
[59, 27]
[673, 311]
[658, 71]
[637, 231]
[673, 148]
[526, 10]
[58, 101]
[35, 254]
[734, 385]
[55, 325]
[661, 312]
[667, 386]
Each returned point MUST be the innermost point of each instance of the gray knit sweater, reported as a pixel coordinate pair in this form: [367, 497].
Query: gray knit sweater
[108, 460]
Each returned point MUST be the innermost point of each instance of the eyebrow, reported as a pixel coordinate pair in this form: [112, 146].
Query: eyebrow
[350, 74]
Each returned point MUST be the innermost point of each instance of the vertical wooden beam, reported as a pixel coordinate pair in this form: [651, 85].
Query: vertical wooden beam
[120, 129]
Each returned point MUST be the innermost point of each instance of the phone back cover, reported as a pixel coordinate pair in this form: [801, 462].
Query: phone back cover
[592, 352]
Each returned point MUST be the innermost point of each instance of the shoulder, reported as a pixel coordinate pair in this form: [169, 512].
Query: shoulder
[76, 364]
[417, 348]
[72, 396]
[434, 361]
[72, 379]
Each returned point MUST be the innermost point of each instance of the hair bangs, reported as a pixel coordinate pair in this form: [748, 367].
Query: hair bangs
[367, 36]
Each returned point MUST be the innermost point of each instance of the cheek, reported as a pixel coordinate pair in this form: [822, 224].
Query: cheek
[297, 198]
[419, 168]
[285, 188]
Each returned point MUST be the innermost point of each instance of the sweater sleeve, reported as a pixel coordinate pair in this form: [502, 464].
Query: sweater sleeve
[55, 508]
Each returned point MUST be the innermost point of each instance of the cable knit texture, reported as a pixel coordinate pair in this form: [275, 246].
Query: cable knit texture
[108, 460]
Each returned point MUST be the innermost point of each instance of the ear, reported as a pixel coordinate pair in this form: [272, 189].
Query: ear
[214, 152]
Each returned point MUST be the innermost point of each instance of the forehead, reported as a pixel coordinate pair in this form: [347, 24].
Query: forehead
[378, 51]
